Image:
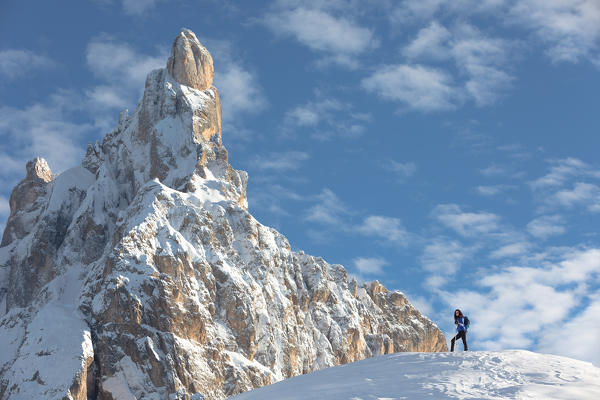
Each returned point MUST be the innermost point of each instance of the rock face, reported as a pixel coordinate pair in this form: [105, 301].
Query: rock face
[190, 63]
[141, 274]
[26, 200]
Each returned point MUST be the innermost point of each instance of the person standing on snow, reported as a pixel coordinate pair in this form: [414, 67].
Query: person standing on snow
[459, 321]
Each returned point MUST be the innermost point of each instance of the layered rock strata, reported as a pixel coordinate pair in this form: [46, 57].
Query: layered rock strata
[141, 274]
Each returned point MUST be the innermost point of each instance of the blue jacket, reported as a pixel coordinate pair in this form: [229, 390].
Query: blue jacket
[460, 324]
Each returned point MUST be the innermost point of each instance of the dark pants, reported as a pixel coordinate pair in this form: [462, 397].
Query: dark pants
[461, 335]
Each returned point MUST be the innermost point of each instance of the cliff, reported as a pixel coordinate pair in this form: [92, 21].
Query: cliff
[141, 274]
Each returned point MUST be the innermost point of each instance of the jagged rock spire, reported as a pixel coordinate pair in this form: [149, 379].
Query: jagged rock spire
[38, 169]
[190, 63]
[25, 200]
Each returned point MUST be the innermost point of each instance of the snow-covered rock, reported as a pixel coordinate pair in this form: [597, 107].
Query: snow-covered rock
[141, 274]
[26, 200]
[471, 375]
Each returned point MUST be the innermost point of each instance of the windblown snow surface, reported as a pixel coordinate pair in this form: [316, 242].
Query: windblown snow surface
[513, 374]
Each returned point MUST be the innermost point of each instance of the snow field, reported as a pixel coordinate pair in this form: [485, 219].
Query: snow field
[514, 374]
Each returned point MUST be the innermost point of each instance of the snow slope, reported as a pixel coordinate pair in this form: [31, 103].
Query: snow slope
[514, 374]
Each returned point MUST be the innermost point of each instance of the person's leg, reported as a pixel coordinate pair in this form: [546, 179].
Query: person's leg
[464, 339]
[452, 343]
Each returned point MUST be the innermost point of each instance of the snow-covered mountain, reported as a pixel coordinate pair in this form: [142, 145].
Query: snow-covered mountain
[471, 375]
[141, 274]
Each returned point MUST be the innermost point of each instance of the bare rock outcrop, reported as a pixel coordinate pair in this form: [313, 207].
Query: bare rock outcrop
[26, 200]
[141, 274]
[38, 170]
[190, 63]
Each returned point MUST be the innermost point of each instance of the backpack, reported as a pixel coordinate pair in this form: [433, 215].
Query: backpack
[467, 322]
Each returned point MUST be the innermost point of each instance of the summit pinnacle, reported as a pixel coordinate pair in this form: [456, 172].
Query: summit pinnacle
[190, 63]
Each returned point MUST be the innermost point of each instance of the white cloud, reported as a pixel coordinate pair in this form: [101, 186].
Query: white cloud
[510, 250]
[4, 213]
[568, 29]
[43, 129]
[493, 170]
[58, 127]
[415, 86]
[329, 209]
[339, 37]
[241, 92]
[239, 88]
[486, 83]
[111, 61]
[304, 116]
[421, 303]
[314, 113]
[402, 170]
[583, 334]
[571, 28]
[553, 189]
[435, 281]
[535, 301]
[562, 170]
[17, 63]
[270, 196]
[430, 43]
[324, 119]
[369, 266]
[122, 71]
[282, 161]
[546, 226]
[387, 228]
[493, 190]
[483, 59]
[585, 194]
[465, 223]
[480, 59]
[443, 258]
[4, 208]
[411, 11]
[109, 96]
[321, 31]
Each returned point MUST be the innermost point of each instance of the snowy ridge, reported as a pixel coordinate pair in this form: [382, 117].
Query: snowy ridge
[501, 375]
[141, 274]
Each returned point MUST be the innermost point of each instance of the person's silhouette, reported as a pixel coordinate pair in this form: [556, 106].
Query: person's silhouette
[459, 321]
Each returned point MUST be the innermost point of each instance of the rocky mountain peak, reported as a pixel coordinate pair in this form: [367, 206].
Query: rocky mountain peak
[38, 169]
[142, 274]
[26, 200]
[190, 63]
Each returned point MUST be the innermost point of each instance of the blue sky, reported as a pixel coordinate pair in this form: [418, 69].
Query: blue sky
[447, 149]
